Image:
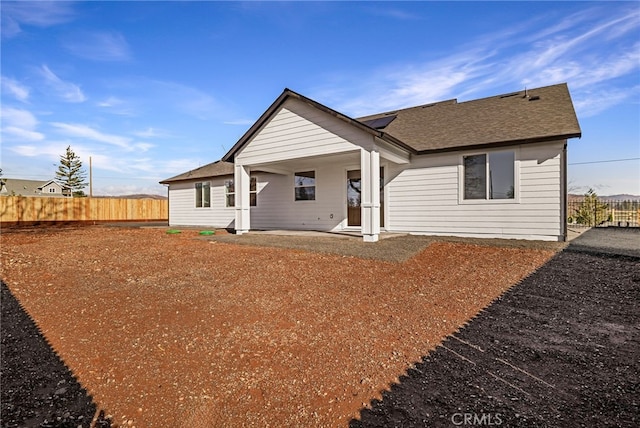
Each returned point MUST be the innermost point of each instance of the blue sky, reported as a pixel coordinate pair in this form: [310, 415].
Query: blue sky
[152, 89]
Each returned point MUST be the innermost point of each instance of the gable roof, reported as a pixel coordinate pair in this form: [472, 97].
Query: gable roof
[275, 106]
[534, 115]
[214, 169]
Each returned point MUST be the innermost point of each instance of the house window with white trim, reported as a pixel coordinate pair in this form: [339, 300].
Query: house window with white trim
[230, 192]
[489, 176]
[52, 190]
[305, 186]
[203, 194]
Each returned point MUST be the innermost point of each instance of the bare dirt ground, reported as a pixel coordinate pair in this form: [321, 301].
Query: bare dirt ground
[177, 330]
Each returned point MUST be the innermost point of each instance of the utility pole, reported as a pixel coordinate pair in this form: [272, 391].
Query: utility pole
[90, 179]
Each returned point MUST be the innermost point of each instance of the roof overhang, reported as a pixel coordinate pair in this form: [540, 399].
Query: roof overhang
[279, 102]
[500, 144]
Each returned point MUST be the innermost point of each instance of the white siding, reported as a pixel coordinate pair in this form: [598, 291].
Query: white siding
[277, 209]
[182, 205]
[299, 130]
[424, 198]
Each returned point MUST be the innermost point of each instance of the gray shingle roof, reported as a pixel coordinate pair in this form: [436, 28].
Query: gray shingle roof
[534, 115]
[540, 114]
[214, 169]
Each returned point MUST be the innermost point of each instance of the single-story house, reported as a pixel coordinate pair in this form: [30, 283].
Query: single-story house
[493, 167]
[19, 187]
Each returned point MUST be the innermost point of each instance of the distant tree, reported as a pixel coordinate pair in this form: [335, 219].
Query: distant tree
[591, 212]
[70, 172]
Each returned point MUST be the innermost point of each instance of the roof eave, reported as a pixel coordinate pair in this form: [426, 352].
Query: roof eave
[496, 144]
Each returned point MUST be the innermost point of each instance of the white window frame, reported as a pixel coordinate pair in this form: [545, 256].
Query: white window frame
[516, 178]
[202, 194]
[315, 187]
[253, 193]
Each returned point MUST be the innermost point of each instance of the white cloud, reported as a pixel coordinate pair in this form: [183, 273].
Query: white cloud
[110, 102]
[15, 88]
[99, 46]
[19, 125]
[22, 134]
[578, 49]
[591, 102]
[49, 149]
[68, 91]
[385, 11]
[116, 106]
[26, 150]
[151, 133]
[86, 132]
[130, 189]
[243, 122]
[18, 117]
[143, 147]
[188, 100]
[33, 13]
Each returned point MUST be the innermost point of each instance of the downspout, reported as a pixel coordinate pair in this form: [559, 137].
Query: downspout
[564, 196]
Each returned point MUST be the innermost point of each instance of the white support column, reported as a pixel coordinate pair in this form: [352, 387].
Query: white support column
[370, 195]
[242, 182]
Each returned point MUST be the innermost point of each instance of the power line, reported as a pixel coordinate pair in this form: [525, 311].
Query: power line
[604, 161]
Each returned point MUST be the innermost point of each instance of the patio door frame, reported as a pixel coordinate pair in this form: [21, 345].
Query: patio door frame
[383, 196]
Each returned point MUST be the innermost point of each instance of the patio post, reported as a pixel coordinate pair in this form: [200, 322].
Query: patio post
[242, 183]
[370, 203]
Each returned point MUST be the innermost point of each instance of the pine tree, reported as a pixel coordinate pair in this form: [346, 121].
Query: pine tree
[70, 172]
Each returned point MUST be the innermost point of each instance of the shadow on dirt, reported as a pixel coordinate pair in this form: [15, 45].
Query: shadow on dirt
[560, 349]
[38, 390]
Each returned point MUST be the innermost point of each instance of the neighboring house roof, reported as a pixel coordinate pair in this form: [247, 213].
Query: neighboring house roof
[214, 169]
[17, 186]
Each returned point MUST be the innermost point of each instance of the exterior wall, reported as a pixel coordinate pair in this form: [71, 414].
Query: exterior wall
[57, 190]
[299, 130]
[277, 208]
[425, 198]
[182, 205]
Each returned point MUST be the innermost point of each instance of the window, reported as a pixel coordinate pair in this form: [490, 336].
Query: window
[305, 186]
[230, 193]
[489, 176]
[52, 190]
[203, 194]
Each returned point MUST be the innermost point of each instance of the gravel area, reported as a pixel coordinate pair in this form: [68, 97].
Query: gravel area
[561, 349]
[610, 240]
[182, 330]
[396, 248]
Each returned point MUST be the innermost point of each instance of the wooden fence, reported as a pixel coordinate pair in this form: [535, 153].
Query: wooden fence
[29, 210]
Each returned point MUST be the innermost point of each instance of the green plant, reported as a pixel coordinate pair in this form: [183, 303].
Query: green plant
[592, 212]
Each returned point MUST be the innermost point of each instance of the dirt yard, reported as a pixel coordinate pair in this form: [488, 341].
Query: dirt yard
[185, 331]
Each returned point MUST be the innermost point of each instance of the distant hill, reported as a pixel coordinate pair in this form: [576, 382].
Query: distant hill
[623, 197]
[614, 198]
[137, 196]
